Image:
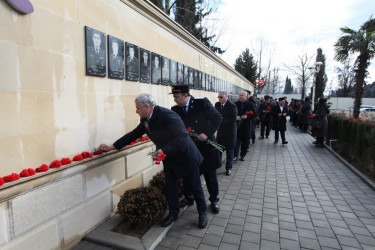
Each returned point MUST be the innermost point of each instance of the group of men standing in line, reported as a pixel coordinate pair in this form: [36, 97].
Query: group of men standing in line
[189, 157]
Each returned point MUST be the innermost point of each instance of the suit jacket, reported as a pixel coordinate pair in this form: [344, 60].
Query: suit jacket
[243, 126]
[167, 132]
[279, 122]
[265, 116]
[227, 132]
[202, 117]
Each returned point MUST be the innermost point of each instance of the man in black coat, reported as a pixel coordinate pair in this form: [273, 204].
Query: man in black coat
[167, 131]
[280, 113]
[227, 131]
[246, 112]
[199, 115]
[265, 116]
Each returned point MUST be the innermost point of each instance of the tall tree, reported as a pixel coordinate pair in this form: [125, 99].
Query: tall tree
[345, 76]
[288, 86]
[246, 65]
[321, 77]
[363, 43]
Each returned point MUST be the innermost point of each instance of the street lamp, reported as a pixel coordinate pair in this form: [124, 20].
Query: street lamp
[314, 70]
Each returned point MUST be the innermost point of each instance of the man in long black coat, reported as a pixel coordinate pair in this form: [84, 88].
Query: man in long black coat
[280, 113]
[199, 115]
[265, 116]
[227, 131]
[167, 131]
[246, 112]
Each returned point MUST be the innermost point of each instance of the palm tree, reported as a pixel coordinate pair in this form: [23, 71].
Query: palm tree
[361, 42]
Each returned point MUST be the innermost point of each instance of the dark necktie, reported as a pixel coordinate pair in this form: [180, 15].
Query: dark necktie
[241, 106]
[222, 106]
[184, 109]
[145, 123]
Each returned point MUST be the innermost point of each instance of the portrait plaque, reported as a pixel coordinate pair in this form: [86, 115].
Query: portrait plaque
[115, 58]
[165, 70]
[131, 52]
[173, 73]
[180, 73]
[145, 66]
[200, 76]
[204, 81]
[186, 75]
[191, 77]
[95, 52]
[155, 69]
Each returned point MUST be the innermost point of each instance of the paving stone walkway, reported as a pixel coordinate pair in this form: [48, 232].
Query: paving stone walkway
[294, 197]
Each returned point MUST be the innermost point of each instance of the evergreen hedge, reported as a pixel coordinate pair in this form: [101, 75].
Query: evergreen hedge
[356, 140]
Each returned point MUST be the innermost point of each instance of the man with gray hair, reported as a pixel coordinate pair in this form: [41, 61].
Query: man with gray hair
[167, 131]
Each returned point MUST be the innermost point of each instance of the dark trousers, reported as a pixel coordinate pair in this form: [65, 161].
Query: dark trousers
[320, 140]
[230, 156]
[282, 133]
[192, 185]
[244, 143]
[304, 127]
[212, 187]
[265, 126]
[253, 124]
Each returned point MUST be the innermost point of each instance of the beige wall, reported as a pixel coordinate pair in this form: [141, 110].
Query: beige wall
[51, 109]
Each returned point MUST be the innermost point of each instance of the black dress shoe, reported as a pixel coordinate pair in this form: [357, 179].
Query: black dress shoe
[275, 142]
[319, 145]
[242, 158]
[266, 136]
[185, 203]
[315, 142]
[168, 221]
[261, 138]
[215, 207]
[285, 142]
[228, 172]
[202, 222]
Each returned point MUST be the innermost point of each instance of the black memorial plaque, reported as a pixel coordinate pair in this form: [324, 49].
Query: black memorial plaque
[155, 68]
[95, 52]
[173, 73]
[115, 58]
[145, 66]
[132, 64]
[186, 74]
[180, 73]
[165, 70]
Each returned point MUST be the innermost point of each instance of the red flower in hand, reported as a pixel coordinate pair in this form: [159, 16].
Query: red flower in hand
[27, 172]
[1, 181]
[309, 117]
[78, 158]
[188, 129]
[11, 177]
[251, 112]
[268, 108]
[65, 161]
[42, 168]
[55, 164]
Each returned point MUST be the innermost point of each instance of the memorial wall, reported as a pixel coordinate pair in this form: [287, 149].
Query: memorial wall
[70, 71]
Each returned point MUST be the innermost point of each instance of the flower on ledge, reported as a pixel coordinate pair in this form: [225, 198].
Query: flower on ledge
[55, 164]
[27, 172]
[217, 146]
[86, 155]
[65, 161]
[1, 181]
[78, 157]
[42, 168]
[11, 177]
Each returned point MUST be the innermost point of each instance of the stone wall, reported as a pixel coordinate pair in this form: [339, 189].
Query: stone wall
[51, 110]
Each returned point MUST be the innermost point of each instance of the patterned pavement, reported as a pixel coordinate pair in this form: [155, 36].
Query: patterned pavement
[293, 197]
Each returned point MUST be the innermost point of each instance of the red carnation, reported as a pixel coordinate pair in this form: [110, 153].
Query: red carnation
[309, 117]
[142, 139]
[1, 181]
[147, 138]
[78, 158]
[65, 161]
[86, 154]
[360, 120]
[268, 108]
[188, 129]
[132, 143]
[99, 152]
[11, 177]
[55, 164]
[27, 172]
[251, 112]
[372, 123]
[157, 162]
[42, 168]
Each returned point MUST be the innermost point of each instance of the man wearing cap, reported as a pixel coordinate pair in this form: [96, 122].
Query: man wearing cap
[280, 113]
[167, 131]
[265, 117]
[199, 115]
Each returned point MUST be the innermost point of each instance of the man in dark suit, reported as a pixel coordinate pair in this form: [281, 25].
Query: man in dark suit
[167, 131]
[280, 113]
[203, 119]
[227, 131]
[96, 55]
[246, 112]
[265, 116]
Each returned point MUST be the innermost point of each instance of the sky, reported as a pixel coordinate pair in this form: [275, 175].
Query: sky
[289, 29]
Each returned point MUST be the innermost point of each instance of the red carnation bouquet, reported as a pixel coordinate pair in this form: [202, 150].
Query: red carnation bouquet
[42, 168]
[65, 161]
[55, 164]
[268, 108]
[27, 172]
[86, 154]
[219, 147]
[11, 177]
[78, 157]
[157, 157]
